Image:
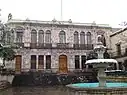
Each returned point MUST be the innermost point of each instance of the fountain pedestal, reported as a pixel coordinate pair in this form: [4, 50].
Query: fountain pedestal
[101, 88]
[101, 77]
[100, 49]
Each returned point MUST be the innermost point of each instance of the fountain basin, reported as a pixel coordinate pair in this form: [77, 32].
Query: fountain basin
[94, 89]
[101, 61]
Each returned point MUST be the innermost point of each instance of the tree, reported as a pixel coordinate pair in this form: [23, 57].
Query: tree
[7, 54]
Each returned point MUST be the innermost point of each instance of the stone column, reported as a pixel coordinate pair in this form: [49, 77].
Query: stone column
[44, 62]
[80, 62]
[87, 66]
[101, 77]
[117, 66]
[36, 62]
[70, 63]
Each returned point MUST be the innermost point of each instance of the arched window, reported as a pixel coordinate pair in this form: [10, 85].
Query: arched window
[19, 34]
[48, 37]
[82, 37]
[41, 36]
[89, 41]
[10, 36]
[76, 39]
[62, 37]
[33, 36]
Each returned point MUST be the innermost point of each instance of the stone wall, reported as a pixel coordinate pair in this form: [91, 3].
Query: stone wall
[119, 38]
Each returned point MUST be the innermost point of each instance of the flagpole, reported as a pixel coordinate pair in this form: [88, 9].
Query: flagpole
[61, 10]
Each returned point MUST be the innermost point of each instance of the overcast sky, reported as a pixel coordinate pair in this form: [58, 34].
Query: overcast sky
[111, 12]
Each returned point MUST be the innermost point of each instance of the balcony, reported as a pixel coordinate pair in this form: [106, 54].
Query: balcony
[89, 46]
[57, 46]
[41, 45]
[63, 45]
[48, 45]
[76, 46]
[83, 46]
[33, 45]
[19, 44]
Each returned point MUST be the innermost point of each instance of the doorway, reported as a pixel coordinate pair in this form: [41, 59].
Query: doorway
[18, 64]
[63, 64]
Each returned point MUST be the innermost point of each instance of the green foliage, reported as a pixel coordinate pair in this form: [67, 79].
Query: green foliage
[7, 54]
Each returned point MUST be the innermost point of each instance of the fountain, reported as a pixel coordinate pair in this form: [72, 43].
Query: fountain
[101, 87]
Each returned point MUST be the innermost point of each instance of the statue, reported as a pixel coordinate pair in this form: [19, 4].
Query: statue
[9, 16]
[101, 38]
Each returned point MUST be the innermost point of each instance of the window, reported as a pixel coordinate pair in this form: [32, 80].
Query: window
[83, 60]
[33, 61]
[89, 41]
[48, 61]
[76, 39]
[48, 37]
[62, 37]
[19, 34]
[82, 37]
[41, 61]
[41, 36]
[77, 62]
[33, 36]
[19, 37]
[10, 37]
[118, 48]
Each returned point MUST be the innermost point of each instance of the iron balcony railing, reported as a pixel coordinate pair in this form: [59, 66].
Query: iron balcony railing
[58, 46]
[83, 46]
[47, 45]
[33, 45]
[63, 45]
[18, 45]
[40, 45]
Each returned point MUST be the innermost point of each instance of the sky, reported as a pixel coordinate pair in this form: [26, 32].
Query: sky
[112, 12]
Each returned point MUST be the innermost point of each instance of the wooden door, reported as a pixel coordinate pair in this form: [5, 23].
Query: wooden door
[18, 64]
[63, 64]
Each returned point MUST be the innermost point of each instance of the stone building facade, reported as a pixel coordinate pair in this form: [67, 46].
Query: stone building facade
[119, 47]
[56, 46]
